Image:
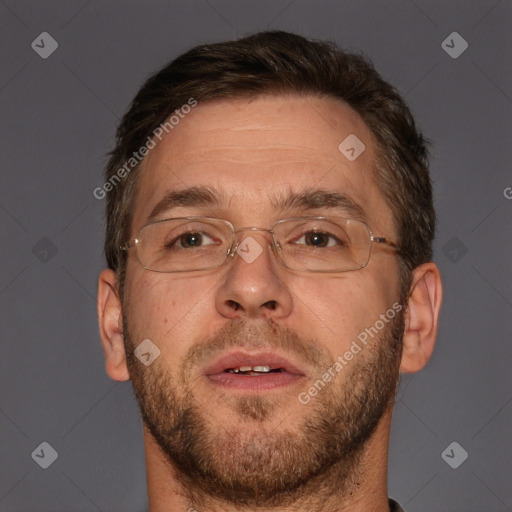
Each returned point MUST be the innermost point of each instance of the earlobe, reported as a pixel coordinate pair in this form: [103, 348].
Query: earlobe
[422, 317]
[110, 323]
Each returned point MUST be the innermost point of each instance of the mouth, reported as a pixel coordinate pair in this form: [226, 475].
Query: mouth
[253, 372]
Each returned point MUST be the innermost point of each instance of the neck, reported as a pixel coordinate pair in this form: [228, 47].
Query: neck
[365, 492]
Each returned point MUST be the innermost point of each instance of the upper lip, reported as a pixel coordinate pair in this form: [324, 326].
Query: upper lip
[238, 358]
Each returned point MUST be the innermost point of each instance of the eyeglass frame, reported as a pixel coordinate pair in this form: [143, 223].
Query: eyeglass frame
[232, 249]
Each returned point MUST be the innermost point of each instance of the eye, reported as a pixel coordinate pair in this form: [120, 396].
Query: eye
[318, 239]
[190, 240]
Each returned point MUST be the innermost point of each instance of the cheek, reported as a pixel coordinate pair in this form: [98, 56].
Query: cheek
[335, 310]
[166, 309]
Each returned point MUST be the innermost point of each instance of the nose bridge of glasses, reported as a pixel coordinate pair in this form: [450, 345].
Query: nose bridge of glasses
[249, 231]
[252, 229]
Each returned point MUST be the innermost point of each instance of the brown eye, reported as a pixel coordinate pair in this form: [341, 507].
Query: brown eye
[191, 239]
[316, 239]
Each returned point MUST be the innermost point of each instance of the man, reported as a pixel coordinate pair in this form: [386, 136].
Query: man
[269, 231]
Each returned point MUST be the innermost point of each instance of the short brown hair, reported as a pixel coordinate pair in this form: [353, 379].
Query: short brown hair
[283, 63]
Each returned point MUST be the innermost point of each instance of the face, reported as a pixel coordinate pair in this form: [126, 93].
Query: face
[249, 435]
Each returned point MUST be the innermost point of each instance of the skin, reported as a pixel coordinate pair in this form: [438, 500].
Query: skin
[251, 150]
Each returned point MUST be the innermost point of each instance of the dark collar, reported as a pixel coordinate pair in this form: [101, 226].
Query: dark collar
[394, 506]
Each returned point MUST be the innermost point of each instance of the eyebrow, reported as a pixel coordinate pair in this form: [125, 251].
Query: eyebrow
[192, 196]
[310, 199]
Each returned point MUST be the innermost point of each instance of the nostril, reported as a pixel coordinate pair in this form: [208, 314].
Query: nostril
[233, 305]
[271, 304]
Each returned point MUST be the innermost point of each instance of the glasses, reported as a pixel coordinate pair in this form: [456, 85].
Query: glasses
[312, 244]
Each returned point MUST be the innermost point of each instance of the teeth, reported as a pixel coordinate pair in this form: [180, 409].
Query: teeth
[245, 369]
[261, 368]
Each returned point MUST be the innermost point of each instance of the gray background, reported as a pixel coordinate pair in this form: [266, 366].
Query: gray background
[58, 120]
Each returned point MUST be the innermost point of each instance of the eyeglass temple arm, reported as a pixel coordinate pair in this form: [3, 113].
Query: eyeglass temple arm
[128, 245]
[383, 240]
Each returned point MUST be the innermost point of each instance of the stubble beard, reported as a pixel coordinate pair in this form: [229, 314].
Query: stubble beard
[247, 463]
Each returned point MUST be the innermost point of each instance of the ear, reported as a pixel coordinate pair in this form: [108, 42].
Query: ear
[110, 319]
[422, 317]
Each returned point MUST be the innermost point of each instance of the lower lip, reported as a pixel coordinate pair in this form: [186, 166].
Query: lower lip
[254, 383]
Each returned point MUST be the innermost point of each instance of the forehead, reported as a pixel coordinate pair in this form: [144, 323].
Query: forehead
[253, 151]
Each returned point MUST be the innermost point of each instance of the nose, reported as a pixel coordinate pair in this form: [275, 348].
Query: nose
[254, 284]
